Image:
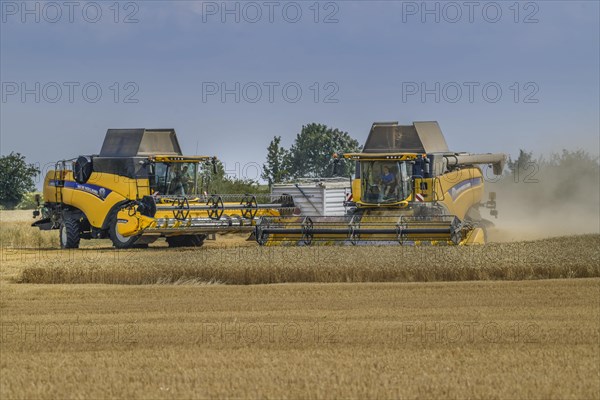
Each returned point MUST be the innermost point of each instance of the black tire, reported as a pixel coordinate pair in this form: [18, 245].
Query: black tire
[186, 241]
[119, 241]
[69, 233]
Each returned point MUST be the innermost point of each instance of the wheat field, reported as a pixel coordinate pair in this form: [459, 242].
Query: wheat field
[247, 263]
[235, 320]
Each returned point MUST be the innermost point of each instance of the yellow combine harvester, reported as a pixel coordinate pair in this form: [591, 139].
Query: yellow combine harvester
[409, 189]
[140, 188]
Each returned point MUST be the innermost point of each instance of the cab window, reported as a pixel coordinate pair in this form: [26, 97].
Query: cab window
[385, 181]
[175, 179]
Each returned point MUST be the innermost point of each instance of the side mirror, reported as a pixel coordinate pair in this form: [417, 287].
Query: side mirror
[491, 204]
[38, 199]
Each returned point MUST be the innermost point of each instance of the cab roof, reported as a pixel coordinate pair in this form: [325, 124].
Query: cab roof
[140, 142]
[420, 137]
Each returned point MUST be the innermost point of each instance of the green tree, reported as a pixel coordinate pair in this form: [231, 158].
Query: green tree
[522, 163]
[16, 179]
[214, 180]
[274, 169]
[311, 155]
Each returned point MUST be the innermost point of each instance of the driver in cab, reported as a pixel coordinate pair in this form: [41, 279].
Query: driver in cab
[388, 181]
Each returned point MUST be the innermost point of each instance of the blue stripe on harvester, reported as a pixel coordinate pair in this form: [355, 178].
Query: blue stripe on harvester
[95, 190]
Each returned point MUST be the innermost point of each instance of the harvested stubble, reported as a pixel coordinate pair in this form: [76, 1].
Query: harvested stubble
[566, 257]
[451, 340]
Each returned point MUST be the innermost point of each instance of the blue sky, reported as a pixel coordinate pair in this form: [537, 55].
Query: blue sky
[543, 56]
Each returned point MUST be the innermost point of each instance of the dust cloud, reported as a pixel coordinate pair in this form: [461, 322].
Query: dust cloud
[547, 199]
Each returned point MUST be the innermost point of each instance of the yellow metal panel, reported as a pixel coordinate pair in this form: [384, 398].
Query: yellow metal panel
[475, 237]
[426, 187]
[461, 190]
[87, 197]
[356, 190]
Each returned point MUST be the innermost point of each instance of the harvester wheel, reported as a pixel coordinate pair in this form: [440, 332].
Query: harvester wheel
[69, 233]
[186, 241]
[119, 241]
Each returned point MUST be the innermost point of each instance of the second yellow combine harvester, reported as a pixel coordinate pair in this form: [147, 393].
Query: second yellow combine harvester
[141, 188]
[409, 189]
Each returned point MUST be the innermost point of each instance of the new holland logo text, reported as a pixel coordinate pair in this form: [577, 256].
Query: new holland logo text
[98, 191]
[457, 189]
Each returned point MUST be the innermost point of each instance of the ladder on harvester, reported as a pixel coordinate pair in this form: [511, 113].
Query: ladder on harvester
[58, 179]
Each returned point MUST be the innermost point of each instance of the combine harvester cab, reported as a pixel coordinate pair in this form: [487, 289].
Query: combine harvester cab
[408, 189]
[140, 188]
